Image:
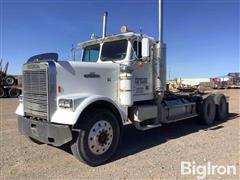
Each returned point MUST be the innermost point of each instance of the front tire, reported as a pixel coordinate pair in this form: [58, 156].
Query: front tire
[98, 137]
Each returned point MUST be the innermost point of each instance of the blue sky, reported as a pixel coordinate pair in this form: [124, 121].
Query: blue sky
[202, 36]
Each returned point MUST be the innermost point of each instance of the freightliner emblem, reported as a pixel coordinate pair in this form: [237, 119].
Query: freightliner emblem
[92, 75]
[33, 66]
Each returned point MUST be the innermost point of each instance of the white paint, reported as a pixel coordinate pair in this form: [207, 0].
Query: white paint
[192, 81]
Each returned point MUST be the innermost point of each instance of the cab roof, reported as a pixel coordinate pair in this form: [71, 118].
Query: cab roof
[113, 37]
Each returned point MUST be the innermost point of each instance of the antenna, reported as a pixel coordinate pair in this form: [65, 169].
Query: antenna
[169, 73]
[160, 21]
[1, 64]
[140, 30]
[73, 52]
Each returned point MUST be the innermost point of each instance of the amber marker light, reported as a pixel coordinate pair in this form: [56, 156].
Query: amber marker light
[123, 29]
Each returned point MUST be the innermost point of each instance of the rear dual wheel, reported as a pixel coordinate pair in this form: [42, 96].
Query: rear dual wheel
[207, 110]
[221, 107]
[2, 92]
[14, 92]
[98, 137]
[211, 108]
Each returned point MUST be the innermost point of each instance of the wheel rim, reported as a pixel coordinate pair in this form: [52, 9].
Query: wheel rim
[100, 137]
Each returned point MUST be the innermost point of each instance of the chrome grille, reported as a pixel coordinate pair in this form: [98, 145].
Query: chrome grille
[35, 93]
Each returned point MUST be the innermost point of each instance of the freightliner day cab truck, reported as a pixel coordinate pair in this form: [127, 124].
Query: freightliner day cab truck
[120, 80]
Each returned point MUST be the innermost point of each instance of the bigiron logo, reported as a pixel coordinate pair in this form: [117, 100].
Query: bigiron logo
[203, 170]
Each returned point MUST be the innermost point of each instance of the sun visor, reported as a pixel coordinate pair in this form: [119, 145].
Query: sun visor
[43, 57]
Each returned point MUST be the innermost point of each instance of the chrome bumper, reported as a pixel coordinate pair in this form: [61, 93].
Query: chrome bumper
[45, 132]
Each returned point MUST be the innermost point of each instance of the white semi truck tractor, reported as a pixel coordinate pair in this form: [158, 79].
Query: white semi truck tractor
[120, 80]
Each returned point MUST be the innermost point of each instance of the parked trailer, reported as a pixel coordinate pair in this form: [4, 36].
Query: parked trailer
[120, 80]
[234, 80]
[10, 91]
[8, 83]
[230, 81]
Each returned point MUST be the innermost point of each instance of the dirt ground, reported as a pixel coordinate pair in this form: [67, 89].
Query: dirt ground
[154, 154]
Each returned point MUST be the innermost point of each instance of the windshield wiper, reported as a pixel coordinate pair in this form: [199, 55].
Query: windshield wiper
[108, 59]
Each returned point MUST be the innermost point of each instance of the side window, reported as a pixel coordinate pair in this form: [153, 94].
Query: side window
[137, 47]
[91, 53]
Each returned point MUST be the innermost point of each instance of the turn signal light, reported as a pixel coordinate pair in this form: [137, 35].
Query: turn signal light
[139, 64]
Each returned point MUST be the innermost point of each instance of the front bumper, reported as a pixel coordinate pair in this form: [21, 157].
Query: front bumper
[45, 132]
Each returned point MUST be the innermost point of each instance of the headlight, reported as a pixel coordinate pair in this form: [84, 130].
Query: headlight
[65, 103]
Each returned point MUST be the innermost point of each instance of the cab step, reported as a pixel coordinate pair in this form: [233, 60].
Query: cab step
[145, 127]
[181, 117]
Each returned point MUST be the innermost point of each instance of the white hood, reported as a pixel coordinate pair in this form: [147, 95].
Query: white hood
[86, 77]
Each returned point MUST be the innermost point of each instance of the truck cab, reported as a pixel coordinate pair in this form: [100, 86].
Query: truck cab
[120, 80]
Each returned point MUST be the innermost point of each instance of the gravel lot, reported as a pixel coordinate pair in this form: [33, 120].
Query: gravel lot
[154, 154]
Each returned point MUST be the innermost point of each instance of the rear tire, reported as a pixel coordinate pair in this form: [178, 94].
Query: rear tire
[2, 92]
[98, 137]
[221, 107]
[207, 110]
[13, 92]
[9, 81]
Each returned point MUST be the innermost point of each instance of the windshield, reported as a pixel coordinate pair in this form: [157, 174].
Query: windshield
[115, 50]
[91, 53]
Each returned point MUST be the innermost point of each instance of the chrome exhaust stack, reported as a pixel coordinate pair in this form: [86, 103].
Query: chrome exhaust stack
[160, 47]
[104, 30]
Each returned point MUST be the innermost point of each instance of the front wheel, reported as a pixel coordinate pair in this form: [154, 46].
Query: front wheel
[98, 137]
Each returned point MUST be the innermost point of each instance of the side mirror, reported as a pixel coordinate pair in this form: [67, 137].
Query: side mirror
[145, 48]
